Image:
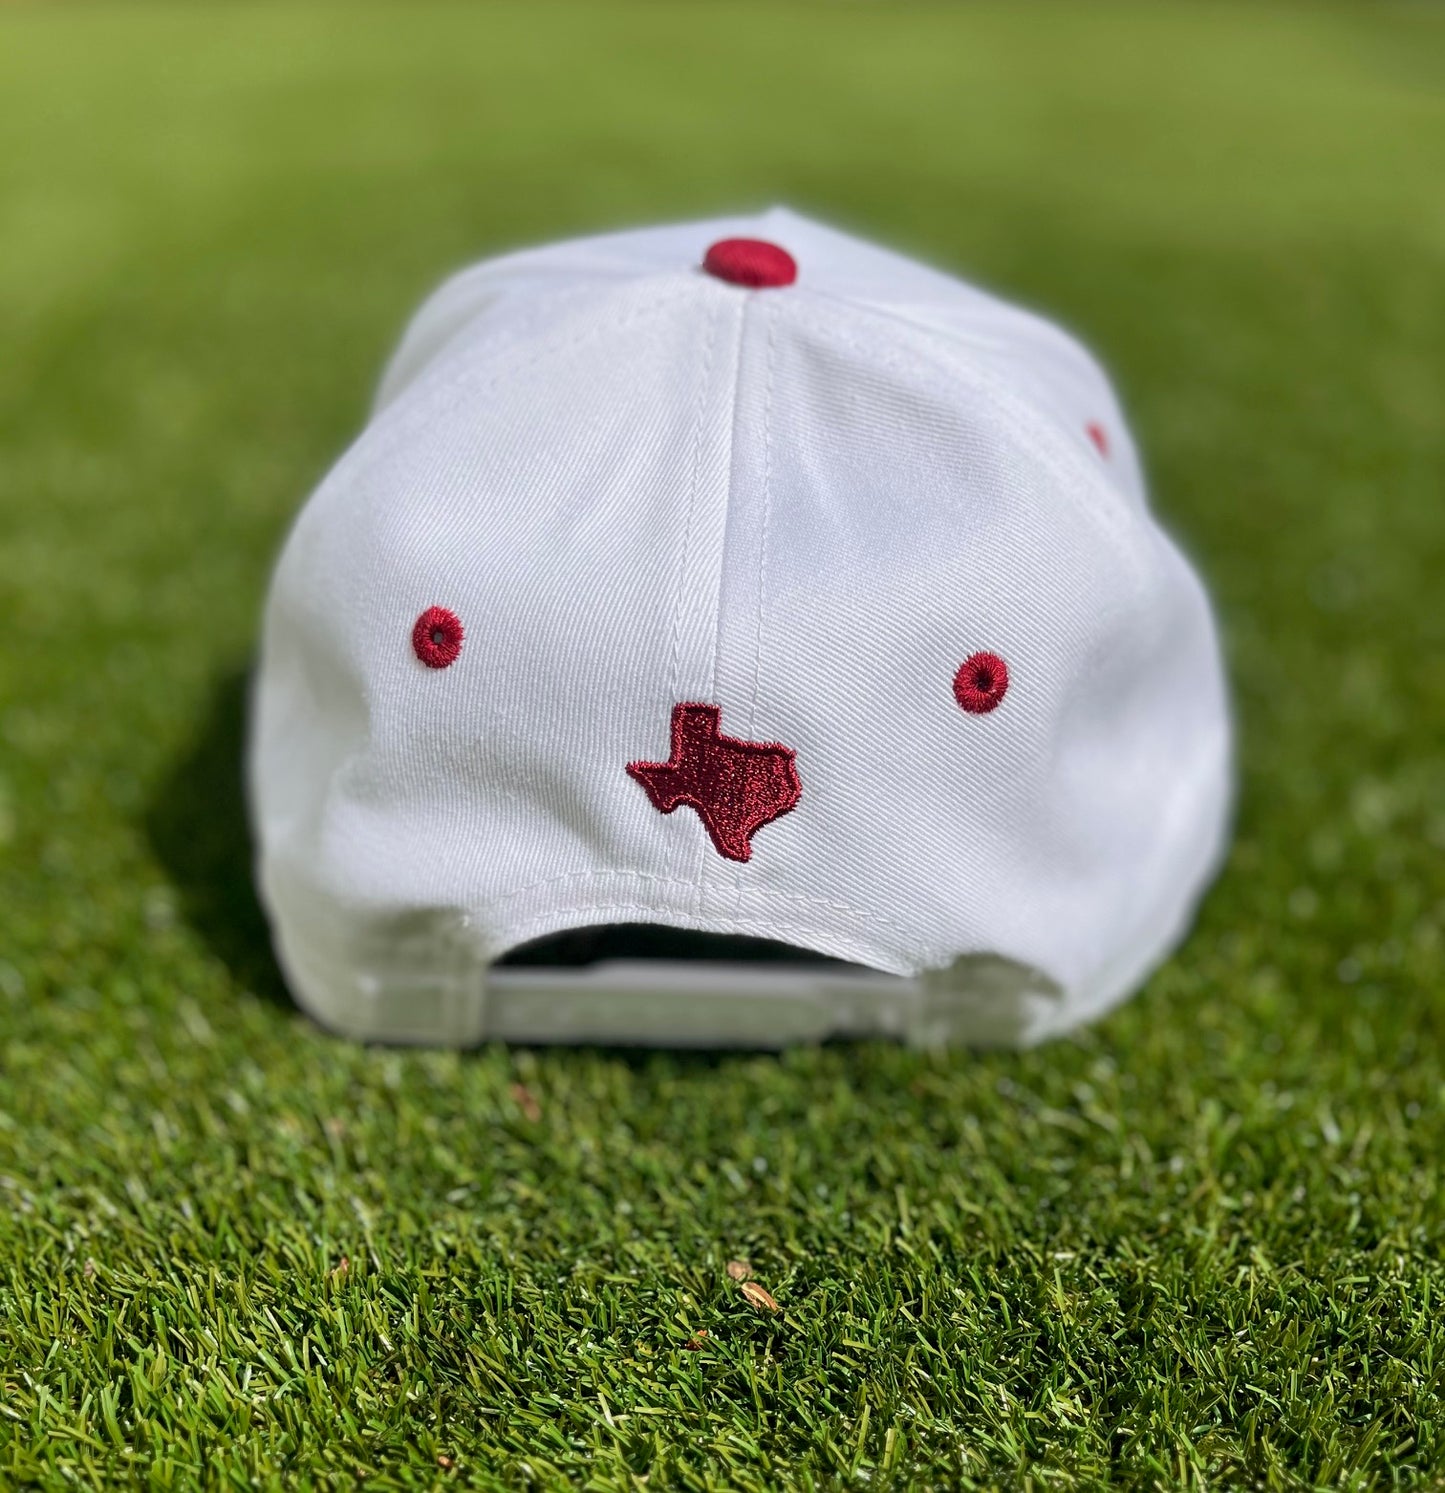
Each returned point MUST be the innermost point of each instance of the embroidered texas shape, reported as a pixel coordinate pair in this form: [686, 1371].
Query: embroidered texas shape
[735, 786]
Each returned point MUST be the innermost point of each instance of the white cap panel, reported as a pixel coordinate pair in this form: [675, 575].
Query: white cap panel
[553, 510]
[896, 522]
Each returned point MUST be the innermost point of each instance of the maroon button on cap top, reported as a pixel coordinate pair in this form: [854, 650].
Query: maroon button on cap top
[750, 261]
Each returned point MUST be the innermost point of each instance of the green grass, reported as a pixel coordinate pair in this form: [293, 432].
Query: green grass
[1199, 1244]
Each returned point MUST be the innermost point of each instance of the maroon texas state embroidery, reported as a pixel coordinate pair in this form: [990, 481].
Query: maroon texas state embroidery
[736, 786]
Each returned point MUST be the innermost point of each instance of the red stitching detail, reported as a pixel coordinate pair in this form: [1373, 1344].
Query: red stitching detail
[750, 261]
[736, 786]
[437, 637]
[981, 683]
[1098, 435]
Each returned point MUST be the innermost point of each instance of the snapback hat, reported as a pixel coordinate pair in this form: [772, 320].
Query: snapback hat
[737, 590]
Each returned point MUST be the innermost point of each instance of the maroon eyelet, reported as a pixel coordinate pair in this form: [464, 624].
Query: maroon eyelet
[981, 683]
[437, 637]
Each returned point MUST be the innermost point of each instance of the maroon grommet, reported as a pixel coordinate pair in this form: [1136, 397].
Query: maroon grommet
[981, 683]
[436, 639]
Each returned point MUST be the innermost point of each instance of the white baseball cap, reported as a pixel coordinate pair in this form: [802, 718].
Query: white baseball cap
[736, 590]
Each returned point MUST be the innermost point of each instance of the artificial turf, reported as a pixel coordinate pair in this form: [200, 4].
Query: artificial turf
[1199, 1244]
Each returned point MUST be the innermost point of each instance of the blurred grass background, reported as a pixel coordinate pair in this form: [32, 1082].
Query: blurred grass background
[1198, 1245]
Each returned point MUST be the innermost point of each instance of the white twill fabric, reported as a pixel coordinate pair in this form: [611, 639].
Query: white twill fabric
[637, 485]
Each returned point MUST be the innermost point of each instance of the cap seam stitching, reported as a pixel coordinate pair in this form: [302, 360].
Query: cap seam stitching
[1108, 517]
[907, 950]
[767, 513]
[1020, 320]
[599, 874]
[400, 419]
[738, 886]
[692, 503]
[535, 310]
[702, 863]
[796, 934]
